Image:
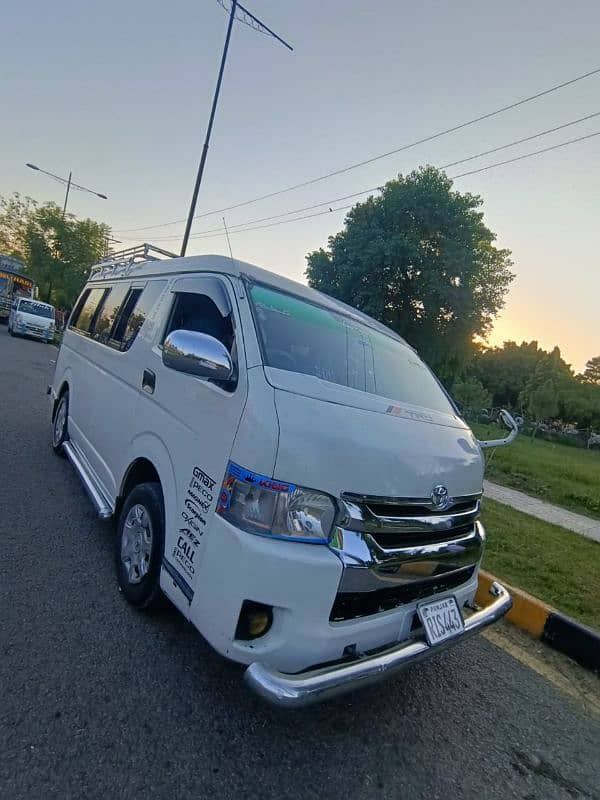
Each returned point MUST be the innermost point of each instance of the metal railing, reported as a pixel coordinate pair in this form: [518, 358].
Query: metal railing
[123, 260]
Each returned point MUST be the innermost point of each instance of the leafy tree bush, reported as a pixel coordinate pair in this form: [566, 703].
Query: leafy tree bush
[471, 396]
[420, 259]
[58, 250]
[591, 373]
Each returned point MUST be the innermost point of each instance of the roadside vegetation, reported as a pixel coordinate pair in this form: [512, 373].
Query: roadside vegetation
[563, 475]
[558, 566]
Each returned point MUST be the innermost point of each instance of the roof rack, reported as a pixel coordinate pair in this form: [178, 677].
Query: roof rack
[123, 260]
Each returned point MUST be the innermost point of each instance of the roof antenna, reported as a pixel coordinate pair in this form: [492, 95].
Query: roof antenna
[227, 235]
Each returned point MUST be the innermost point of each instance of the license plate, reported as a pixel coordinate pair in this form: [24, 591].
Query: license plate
[441, 619]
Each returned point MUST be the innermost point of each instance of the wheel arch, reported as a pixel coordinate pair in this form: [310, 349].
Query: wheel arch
[150, 462]
[64, 387]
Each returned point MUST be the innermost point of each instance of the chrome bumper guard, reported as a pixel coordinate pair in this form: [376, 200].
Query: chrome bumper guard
[314, 686]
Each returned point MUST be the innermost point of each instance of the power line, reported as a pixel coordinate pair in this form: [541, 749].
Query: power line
[207, 235]
[372, 159]
[527, 155]
[333, 200]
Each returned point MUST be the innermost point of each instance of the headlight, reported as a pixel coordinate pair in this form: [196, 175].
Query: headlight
[261, 505]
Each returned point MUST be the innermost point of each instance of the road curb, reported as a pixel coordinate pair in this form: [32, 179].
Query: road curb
[545, 623]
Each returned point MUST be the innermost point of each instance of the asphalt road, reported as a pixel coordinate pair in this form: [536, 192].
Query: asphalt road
[100, 701]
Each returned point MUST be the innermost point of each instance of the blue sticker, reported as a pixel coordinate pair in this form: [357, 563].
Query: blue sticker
[243, 474]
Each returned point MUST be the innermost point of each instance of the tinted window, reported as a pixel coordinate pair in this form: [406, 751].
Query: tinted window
[84, 315]
[197, 312]
[136, 307]
[302, 337]
[122, 321]
[109, 311]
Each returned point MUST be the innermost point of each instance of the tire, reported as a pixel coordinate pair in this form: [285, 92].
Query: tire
[139, 546]
[60, 424]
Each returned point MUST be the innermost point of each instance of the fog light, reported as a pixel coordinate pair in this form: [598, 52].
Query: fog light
[255, 620]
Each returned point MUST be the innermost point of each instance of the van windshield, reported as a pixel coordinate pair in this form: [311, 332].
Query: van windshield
[300, 336]
[39, 309]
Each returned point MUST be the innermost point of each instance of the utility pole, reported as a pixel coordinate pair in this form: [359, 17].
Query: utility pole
[248, 19]
[69, 183]
[67, 194]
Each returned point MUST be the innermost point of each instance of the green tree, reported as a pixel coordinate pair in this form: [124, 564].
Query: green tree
[57, 250]
[591, 373]
[541, 395]
[420, 259]
[15, 213]
[542, 403]
[505, 370]
[471, 396]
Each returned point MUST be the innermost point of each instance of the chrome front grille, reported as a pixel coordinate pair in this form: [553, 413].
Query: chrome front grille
[398, 522]
[397, 550]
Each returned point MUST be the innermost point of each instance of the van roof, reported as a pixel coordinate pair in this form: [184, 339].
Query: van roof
[236, 268]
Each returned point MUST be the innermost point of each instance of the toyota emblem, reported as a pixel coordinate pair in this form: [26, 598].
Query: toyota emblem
[440, 497]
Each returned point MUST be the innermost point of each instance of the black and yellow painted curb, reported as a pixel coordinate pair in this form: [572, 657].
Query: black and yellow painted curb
[547, 624]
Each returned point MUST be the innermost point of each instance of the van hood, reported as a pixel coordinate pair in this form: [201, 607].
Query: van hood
[33, 319]
[337, 439]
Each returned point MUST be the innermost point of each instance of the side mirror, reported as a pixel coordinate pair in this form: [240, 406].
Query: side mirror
[197, 354]
[508, 420]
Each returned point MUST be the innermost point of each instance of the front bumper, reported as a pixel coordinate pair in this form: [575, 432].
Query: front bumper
[295, 691]
[37, 333]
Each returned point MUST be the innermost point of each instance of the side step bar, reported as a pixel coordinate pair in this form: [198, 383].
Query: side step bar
[96, 495]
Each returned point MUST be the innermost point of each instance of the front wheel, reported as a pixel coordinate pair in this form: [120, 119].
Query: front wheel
[60, 432]
[140, 545]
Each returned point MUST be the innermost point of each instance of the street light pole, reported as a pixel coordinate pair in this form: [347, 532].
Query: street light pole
[70, 185]
[256, 24]
[213, 109]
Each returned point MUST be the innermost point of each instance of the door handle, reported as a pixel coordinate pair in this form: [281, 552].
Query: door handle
[148, 381]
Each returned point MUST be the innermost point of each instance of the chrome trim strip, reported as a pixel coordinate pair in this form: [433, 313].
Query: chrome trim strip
[297, 691]
[361, 518]
[96, 495]
[405, 501]
[368, 566]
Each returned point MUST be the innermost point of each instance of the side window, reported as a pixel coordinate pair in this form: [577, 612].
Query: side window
[108, 313]
[136, 307]
[84, 316]
[197, 312]
[117, 336]
[78, 306]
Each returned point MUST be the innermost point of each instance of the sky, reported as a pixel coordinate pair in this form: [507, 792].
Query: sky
[119, 92]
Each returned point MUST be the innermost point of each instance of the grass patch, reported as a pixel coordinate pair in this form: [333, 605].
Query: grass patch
[563, 475]
[558, 566]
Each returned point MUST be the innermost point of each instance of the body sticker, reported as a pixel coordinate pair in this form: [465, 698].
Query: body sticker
[183, 585]
[197, 503]
[397, 411]
[237, 473]
[242, 474]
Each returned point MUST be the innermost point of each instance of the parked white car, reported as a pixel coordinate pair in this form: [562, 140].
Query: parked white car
[30, 317]
[282, 467]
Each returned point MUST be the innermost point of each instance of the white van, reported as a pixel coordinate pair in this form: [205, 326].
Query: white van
[283, 468]
[30, 317]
